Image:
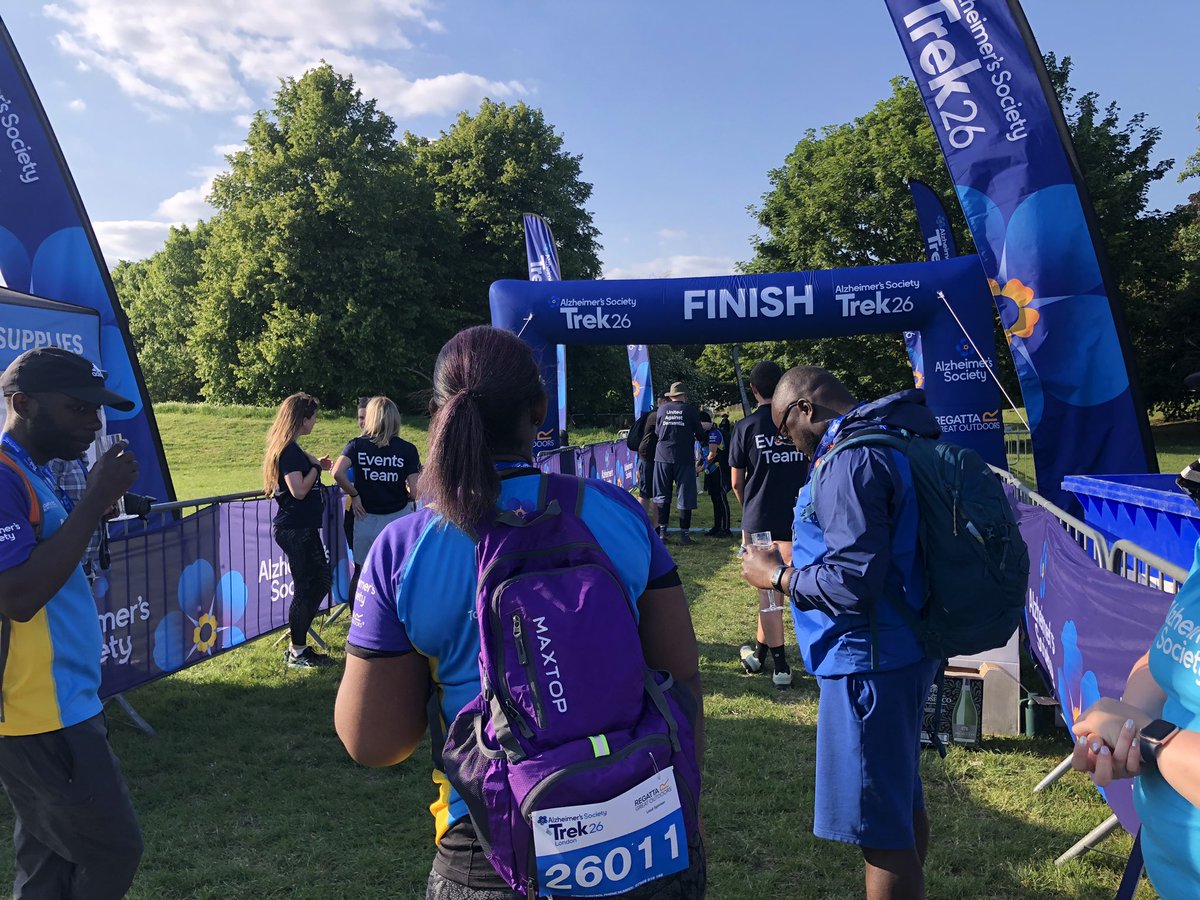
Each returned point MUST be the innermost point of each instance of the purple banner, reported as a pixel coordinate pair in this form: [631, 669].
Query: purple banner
[1087, 626]
[643, 385]
[47, 248]
[1009, 152]
[938, 241]
[611, 461]
[542, 257]
[184, 590]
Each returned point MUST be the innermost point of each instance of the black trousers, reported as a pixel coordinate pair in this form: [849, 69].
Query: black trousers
[714, 483]
[76, 833]
[311, 577]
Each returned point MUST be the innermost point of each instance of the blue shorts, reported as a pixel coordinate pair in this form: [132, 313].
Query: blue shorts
[869, 754]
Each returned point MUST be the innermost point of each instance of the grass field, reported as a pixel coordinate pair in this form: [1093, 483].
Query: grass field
[246, 791]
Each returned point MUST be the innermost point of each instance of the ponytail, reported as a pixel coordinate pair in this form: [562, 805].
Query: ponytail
[459, 479]
[485, 383]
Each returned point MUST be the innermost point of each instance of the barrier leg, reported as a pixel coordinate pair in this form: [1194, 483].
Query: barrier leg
[134, 715]
[1133, 871]
[1090, 840]
[335, 614]
[1059, 771]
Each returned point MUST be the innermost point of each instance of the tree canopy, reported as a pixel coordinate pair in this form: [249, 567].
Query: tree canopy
[840, 199]
[341, 258]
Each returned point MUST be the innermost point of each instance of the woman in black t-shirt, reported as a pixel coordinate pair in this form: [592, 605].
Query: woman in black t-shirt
[384, 485]
[293, 476]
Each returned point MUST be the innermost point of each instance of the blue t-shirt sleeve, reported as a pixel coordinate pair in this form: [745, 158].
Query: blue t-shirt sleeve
[714, 437]
[630, 541]
[856, 494]
[17, 538]
[375, 623]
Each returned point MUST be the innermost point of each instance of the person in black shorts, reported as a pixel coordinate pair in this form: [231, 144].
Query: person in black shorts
[678, 428]
[646, 442]
[767, 474]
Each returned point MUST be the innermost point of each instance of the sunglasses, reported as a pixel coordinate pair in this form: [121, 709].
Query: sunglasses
[787, 411]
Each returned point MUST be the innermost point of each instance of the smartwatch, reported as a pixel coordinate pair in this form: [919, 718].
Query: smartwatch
[777, 578]
[1153, 738]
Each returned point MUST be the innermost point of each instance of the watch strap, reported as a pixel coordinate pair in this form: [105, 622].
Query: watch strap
[777, 578]
[1149, 747]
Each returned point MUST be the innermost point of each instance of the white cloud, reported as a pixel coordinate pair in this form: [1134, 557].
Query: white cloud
[189, 205]
[228, 149]
[130, 238]
[76, 106]
[671, 234]
[675, 267]
[228, 54]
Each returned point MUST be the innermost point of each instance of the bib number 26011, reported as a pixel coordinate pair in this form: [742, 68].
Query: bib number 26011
[601, 849]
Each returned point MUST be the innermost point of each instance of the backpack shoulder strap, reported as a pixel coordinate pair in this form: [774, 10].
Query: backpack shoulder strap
[35, 503]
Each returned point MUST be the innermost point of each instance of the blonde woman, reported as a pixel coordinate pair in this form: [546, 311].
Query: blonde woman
[385, 468]
[293, 476]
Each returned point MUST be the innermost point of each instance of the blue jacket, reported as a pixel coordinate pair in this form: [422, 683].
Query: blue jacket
[859, 545]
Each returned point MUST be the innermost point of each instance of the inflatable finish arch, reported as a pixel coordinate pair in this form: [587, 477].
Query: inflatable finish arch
[784, 306]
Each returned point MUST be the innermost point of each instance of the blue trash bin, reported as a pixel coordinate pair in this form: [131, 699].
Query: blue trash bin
[1149, 510]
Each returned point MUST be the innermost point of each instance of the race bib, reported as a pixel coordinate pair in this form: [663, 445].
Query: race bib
[601, 849]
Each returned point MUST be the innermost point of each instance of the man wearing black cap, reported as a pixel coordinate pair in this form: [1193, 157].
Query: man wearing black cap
[76, 832]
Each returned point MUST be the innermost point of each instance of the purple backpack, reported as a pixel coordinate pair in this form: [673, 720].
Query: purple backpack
[572, 737]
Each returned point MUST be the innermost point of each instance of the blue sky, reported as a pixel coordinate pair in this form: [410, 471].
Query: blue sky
[679, 109]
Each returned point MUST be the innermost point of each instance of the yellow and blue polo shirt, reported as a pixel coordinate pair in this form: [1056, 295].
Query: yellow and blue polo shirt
[52, 674]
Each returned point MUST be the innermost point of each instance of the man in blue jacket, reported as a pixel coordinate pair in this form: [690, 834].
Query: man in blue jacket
[854, 560]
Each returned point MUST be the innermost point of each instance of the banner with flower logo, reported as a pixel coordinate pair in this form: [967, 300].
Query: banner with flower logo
[1086, 626]
[48, 248]
[181, 591]
[1006, 145]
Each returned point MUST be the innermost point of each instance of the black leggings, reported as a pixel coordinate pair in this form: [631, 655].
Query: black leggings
[715, 486]
[311, 577]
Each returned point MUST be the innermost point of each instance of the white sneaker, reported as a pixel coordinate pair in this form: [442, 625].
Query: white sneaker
[751, 663]
[783, 680]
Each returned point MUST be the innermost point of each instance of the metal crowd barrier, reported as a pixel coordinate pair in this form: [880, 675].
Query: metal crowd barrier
[1138, 564]
[1087, 537]
[1124, 558]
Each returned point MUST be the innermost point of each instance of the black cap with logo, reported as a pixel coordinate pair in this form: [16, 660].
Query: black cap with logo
[51, 370]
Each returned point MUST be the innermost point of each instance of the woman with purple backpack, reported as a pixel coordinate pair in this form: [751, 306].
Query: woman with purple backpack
[537, 627]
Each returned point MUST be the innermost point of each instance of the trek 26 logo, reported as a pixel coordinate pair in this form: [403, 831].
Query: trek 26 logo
[594, 314]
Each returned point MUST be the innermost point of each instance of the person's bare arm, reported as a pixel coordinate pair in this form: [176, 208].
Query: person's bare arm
[737, 478]
[380, 709]
[340, 467]
[299, 485]
[669, 644]
[414, 485]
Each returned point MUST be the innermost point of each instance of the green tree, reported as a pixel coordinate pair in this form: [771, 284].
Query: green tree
[322, 262]
[159, 294]
[839, 199]
[487, 170]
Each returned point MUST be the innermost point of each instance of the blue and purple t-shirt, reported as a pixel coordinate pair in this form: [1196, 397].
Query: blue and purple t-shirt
[418, 585]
